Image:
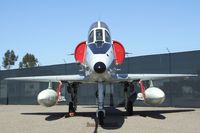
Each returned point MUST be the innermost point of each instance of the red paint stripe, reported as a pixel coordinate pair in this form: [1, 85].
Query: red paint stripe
[142, 88]
[58, 89]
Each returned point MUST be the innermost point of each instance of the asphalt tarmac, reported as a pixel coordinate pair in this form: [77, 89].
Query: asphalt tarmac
[38, 119]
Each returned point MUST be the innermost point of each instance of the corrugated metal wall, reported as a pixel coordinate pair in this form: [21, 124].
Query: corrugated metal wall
[179, 92]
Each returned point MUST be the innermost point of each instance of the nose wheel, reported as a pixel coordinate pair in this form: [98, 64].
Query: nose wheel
[101, 115]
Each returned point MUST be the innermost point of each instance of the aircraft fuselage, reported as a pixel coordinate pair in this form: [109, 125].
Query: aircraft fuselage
[99, 52]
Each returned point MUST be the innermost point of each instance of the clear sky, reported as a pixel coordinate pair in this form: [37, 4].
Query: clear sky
[51, 29]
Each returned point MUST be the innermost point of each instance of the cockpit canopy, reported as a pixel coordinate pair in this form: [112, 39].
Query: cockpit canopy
[99, 40]
[99, 24]
[99, 33]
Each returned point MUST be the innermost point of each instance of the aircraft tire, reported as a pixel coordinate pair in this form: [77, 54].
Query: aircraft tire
[71, 107]
[129, 108]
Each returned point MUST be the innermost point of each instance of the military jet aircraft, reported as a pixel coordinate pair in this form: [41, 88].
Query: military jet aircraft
[97, 55]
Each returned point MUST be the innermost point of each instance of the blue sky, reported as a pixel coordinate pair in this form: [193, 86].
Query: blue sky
[51, 29]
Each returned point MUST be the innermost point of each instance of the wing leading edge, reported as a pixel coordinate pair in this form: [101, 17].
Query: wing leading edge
[55, 78]
[132, 77]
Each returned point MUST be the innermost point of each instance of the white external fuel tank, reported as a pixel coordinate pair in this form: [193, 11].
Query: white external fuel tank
[154, 95]
[47, 98]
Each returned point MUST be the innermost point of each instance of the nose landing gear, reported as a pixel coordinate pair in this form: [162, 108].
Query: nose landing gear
[100, 114]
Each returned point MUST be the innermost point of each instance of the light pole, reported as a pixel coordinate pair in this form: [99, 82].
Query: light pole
[170, 71]
[170, 65]
[65, 66]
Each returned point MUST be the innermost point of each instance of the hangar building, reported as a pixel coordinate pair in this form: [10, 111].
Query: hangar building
[180, 92]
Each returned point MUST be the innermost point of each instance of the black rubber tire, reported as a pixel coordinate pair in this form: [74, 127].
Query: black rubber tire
[129, 109]
[101, 117]
[71, 107]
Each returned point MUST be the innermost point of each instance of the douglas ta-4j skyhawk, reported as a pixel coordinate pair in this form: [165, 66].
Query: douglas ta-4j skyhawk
[96, 56]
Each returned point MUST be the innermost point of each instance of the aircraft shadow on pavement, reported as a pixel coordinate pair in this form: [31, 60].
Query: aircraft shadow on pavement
[157, 114]
[114, 117]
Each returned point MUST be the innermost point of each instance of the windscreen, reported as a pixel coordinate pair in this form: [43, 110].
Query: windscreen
[99, 48]
[91, 37]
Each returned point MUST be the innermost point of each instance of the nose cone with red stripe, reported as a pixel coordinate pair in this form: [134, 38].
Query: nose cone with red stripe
[99, 67]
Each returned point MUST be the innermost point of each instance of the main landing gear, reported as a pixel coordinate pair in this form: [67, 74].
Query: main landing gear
[72, 89]
[130, 97]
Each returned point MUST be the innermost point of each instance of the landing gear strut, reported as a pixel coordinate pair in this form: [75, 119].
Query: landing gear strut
[130, 97]
[72, 89]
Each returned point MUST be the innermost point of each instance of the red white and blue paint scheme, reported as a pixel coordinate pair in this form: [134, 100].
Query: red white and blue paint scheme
[97, 57]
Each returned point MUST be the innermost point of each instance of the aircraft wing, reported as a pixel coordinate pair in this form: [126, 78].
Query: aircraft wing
[133, 77]
[84, 79]
[55, 78]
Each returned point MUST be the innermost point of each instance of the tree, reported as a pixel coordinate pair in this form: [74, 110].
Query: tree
[9, 59]
[29, 60]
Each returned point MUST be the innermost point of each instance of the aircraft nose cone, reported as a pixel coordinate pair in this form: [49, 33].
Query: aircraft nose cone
[99, 67]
